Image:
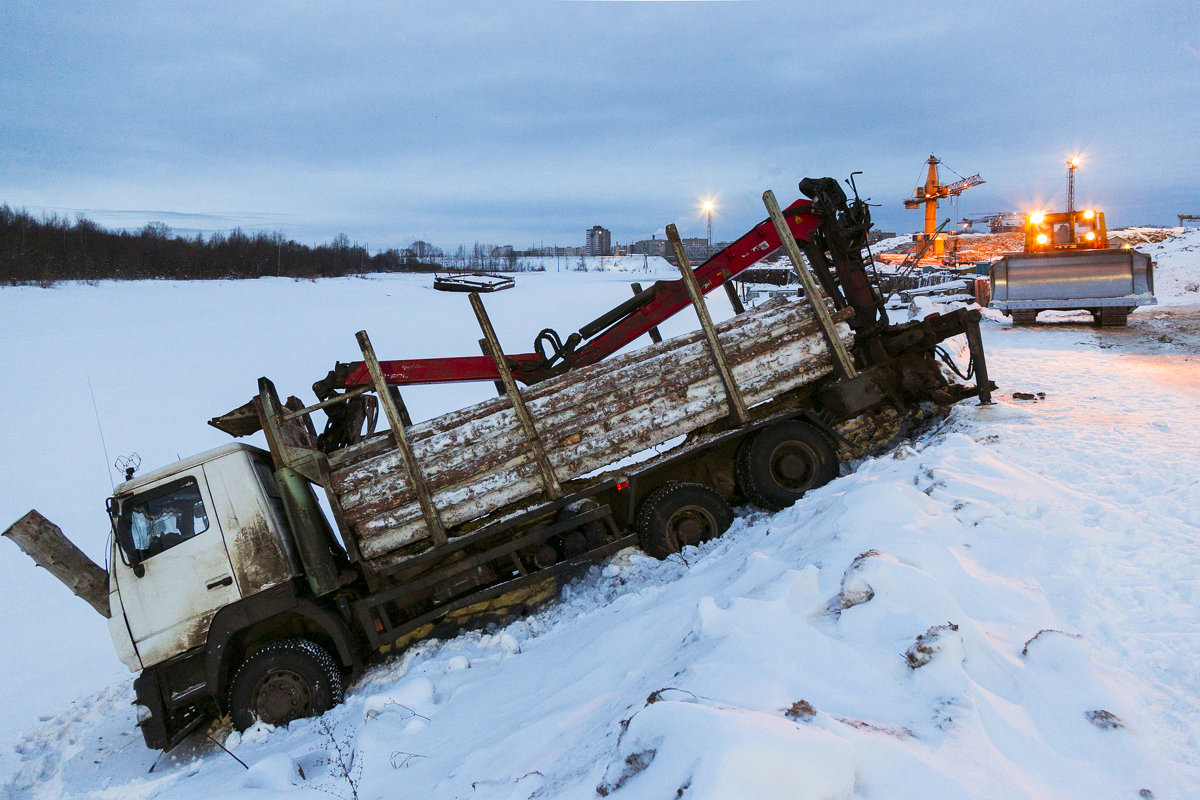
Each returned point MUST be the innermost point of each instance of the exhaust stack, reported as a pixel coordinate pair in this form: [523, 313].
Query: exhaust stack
[44, 542]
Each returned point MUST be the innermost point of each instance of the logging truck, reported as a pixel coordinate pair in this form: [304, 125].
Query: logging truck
[232, 592]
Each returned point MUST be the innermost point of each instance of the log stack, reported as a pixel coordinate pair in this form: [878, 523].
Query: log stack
[477, 459]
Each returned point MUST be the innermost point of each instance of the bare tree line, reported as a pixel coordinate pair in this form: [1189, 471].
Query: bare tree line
[51, 248]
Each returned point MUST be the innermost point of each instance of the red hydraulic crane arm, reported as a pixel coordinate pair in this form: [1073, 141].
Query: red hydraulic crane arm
[610, 332]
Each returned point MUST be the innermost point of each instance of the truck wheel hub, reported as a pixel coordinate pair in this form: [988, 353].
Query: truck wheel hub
[282, 697]
[791, 466]
[692, 526]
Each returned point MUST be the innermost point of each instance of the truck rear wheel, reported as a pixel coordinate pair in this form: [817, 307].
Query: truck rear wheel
[777, 465]
[678, 514]
[285, 681]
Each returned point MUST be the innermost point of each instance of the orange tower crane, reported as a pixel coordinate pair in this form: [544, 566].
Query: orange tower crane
[935, 190]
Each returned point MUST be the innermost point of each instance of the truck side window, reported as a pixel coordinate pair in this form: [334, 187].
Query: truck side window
[166, 517]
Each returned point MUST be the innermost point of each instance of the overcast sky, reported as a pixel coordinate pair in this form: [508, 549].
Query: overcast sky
[528, 122]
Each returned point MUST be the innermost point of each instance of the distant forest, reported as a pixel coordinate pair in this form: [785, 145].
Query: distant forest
[42, 251]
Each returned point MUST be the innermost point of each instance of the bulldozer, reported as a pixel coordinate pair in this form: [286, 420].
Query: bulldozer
[1067, 265]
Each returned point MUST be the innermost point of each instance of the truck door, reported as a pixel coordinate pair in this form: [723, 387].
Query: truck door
[172, 537]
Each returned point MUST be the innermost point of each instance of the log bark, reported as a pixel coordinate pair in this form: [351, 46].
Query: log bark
[577, 384]
[44, 542]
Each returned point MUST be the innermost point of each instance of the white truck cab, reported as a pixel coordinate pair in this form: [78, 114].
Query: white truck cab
[192, 538]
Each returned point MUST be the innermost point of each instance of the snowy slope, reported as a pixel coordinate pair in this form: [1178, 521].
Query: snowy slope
[1175, 252]
[1044, 549]
[161, 358]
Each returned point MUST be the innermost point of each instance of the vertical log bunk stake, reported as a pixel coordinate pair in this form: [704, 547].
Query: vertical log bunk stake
[975, 346]
[737, 406]
[655, 336]
[396, 415]
[734, 300]
[491, 345]
[842, 363]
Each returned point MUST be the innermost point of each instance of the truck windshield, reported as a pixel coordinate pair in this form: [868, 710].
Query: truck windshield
[166, 517]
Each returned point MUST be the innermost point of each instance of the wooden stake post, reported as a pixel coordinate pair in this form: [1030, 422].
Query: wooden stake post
[734, 300]
[396, 417]
[842, 363]
[491, 345]
[737, 406]
[655, 336]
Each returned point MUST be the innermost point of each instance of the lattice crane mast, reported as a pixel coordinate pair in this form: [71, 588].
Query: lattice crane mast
[934, 190]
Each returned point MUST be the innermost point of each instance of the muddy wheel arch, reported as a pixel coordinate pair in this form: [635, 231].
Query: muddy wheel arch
[267, 616]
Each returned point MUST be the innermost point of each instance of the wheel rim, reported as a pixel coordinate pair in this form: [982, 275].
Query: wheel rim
[691, 525]
[793, 466]
[282, 696]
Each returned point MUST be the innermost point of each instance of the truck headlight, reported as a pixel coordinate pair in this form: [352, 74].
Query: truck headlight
[143, 713]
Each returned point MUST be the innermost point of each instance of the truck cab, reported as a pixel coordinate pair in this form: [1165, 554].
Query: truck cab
[204, 573]
[190, 539]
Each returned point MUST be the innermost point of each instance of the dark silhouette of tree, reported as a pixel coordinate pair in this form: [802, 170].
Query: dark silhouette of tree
[51, 248]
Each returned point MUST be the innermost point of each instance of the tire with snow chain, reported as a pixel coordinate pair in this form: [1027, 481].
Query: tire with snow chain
[777, 465]
[284, 681]
[678, 514]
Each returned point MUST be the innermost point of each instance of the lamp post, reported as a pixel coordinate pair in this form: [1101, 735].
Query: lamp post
[1072, 165]
[707, 207]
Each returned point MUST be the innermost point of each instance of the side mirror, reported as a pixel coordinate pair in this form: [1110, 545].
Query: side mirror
[129, 553]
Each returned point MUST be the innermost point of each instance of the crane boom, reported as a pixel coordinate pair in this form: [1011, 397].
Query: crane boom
[822, 224]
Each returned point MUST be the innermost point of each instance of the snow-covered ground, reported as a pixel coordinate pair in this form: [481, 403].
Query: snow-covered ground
[1005, 607]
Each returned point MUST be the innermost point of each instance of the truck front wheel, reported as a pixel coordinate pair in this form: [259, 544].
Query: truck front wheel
[284, 681]
[677, 514]
[777, 465]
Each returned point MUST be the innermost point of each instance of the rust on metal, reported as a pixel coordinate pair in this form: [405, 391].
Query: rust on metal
[341, 398]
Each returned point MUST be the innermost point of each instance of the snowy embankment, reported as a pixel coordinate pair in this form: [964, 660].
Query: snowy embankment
[1005, 607]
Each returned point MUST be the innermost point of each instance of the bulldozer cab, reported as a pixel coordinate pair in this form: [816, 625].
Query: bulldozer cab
[1069, 230]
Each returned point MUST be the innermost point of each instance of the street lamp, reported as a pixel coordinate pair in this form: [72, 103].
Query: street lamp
[1072, 165]
[707, 205]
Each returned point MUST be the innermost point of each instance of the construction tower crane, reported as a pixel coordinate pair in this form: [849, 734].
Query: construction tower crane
[935, 190]
[998, 221]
